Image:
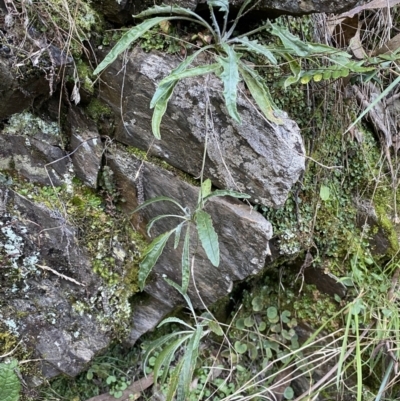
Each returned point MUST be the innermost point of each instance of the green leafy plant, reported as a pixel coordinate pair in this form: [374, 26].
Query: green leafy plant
[10, 385]
[227, 51]
[199, 218]
[180, 377]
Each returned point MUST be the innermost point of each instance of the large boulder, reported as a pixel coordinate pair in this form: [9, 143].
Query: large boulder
[243, 234]
[257, 157]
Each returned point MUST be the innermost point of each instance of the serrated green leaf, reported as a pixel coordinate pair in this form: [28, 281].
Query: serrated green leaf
[208, 236]
[290, 41]
[260, 93]
[127, 39]
[227, 192]
[10, 385]
[222, 4]
[151, 255]
[186, 260]
[254, 46]
[158, 199]
[230, 79]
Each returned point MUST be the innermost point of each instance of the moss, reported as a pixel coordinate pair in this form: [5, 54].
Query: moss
[85, 76]
[98, 110]
[142, 155]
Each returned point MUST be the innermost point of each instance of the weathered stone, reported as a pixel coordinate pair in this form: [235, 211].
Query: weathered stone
[33, 148]
[44, 273]
[256, 157]
[86, 147]
[17, 94]
[146, 316]
[243, 233]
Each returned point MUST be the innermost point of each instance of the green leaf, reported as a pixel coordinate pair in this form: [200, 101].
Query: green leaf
[174, 320]
[159, 199]
[227, 192]
[165, 355]
[254, 46]
[180, 290]
[272, 312]
[222, 4]
[249, 321]
[173, 380]
[205, 188]
[163, 87]
[162, 216]
[257, 303]
[10, 385]
[290, 41]
[151, 255]
[186, 261]
[230, 79]
[260, 93]
[324, 193]
[178, 230]
[192, 72]
[127, 39]
[295, 67]
[160, 108]
[288, 393]
[215, 327]
[208, 236]
[240, 347]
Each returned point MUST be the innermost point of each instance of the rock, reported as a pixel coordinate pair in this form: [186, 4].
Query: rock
[18, 93]
[256, 157]
[33, 148]
[268, 8]
[242, 232]
[86, 147]
[44, 273]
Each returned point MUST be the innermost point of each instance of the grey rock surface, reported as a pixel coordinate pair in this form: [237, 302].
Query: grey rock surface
[243, 233]
[86, 147]
[33, 148]
[256, 157]
[36, 304]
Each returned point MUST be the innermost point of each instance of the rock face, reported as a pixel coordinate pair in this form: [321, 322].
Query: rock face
[121, 11]
[256, 157]
[43, 271]
[243, 234]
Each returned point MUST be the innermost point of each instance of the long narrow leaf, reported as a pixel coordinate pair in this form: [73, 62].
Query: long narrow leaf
[290, 41]
[208, 236]
[192, 72]
[222, 4]
[295, 67]
[159, 199]
[178, 230]
[127, 39]
[151, 255]
[254, 46]
[162, 216]
[173, 381]
[189, 364]
[165, 354]
[230, 79]
[186, 261]
[181, 67]
[156, 10]
[174, 320]
[260, 93]
[227, 192]
[185, 296]
[160, 109]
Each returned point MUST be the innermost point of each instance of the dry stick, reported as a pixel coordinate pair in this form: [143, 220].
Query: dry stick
[135, 388]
